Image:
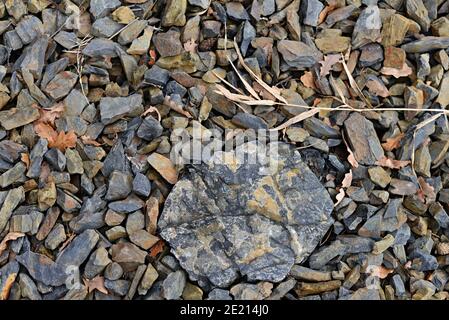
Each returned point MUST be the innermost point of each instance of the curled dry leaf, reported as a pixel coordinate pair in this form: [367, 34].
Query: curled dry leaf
[393, 143]
[307, 80]
[150, 110]
[176, 107]
[25, 158]
[426, 193]
[96, 283]
[9, 237]
[347, 180]
[325, 12]
[391, 163]
[351, 158]
[4, 294]
[328, 63]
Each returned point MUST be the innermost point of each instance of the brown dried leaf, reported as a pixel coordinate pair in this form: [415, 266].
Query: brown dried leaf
[88, 140]
[379, 271]
[347, 180]
[351, 158]
[325, 12]
[393, 143]
[339, 197]
[300, 117]
[157, 248]
[307, 80]
[391, 163]
[190, 46]
[7, 286]
[96, 283]
[152, 109]
[426, 192]
[397, 73]
[64, 140]
[25, 157]
[50, 115]
[328, 63]
[9, 237]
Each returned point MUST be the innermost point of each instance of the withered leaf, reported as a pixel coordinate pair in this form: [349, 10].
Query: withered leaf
[59, 140]
[190, 46]
[379, 271]
[393, 143]
[397, 73]
[391, 163]
[50, 115]
[96, 283]
[25, 158]
[328, 63]
[7, 286]
[89, 141]
[157, 248]
[9, 237]
[307, 80]
[426, 193]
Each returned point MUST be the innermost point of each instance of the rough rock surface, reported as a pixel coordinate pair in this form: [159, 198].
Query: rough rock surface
[243, 218]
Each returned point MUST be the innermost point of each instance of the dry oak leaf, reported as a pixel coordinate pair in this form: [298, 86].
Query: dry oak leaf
[59, 140]
[9, 237]
[96, 283]
[50, 115]
[328, 63]
[393, 143]
[391, 163]
[307, 80]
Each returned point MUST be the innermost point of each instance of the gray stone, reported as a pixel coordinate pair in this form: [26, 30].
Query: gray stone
[101, 47]
[56, 159]
[68, 40]
[128, 205]
[157, 76]
[249, 121]
[36, 157]
[28, 288]
[259, 214]
[168, 43]
[55, 237]
[236, 11]
[149, 129]
[118, 287]
[105, 27]
[219, 294]
[141, 185]
[363, 139]
[173, 285]
[113, 271]
[55, 273]
[29, 28]
[12, 200]
[311, 10]
[120, 185]
[101, 8]
[297, 54]
[112, 109]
